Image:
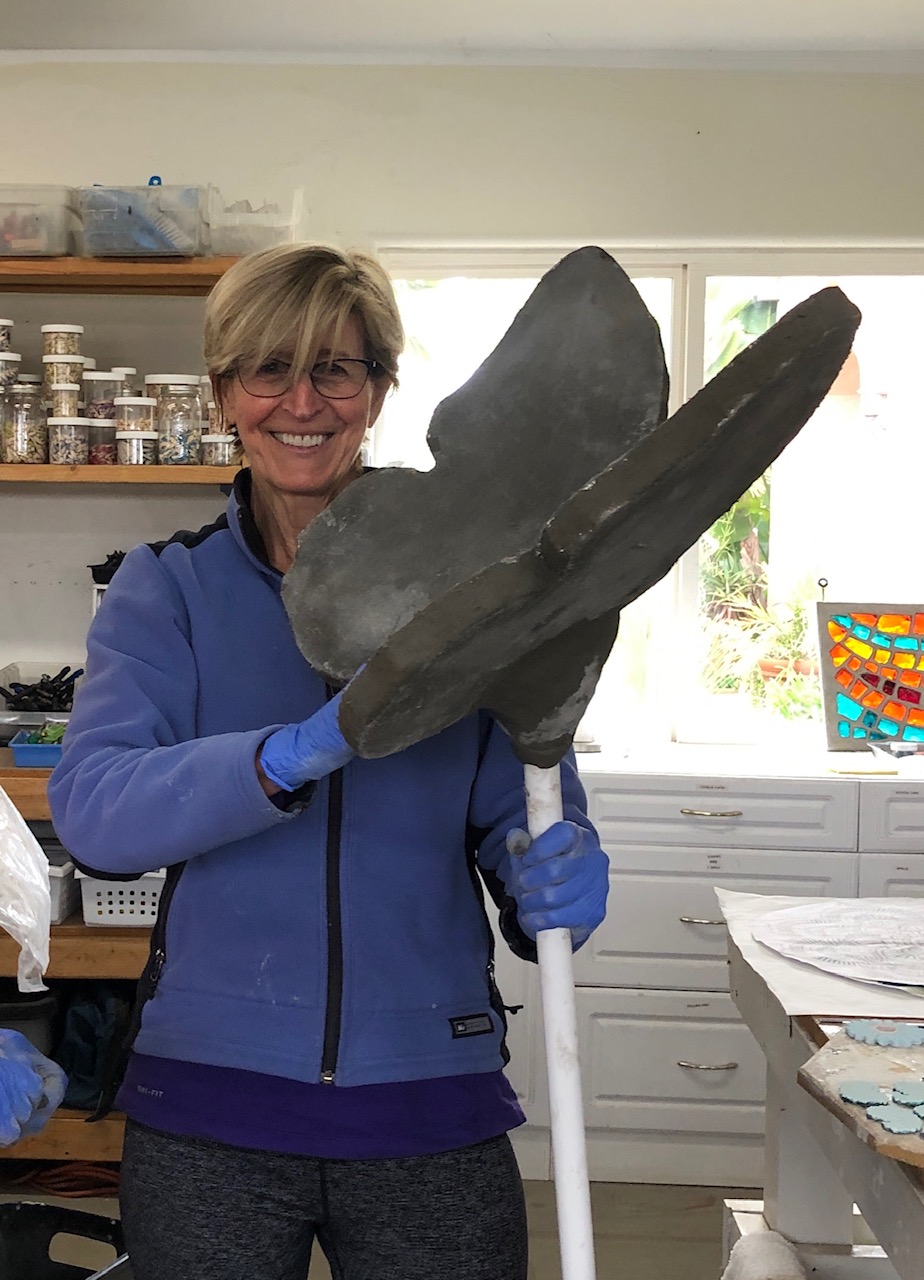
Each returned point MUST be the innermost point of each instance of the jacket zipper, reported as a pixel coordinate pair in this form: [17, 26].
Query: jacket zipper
[334, 1007]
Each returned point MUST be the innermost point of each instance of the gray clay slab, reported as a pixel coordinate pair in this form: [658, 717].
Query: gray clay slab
[863, 1092]
[895, 1119]
[560, 494]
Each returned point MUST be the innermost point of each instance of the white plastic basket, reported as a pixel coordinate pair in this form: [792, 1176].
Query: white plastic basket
[121, 903]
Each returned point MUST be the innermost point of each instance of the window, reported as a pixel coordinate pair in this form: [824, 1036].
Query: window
[838, 503]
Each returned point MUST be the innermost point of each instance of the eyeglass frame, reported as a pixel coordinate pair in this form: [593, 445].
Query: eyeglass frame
[372, 368]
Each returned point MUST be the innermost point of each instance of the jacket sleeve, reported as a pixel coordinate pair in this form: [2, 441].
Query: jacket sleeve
[136, 789]
[498, 804]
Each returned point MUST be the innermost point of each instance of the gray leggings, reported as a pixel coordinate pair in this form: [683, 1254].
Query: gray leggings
[200, 1210]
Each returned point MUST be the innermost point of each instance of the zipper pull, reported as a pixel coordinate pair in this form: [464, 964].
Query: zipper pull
[327, 1077]
[160, 957]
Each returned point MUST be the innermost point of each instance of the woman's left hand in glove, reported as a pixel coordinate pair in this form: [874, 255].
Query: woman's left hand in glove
[31, 1087]
[559, 880]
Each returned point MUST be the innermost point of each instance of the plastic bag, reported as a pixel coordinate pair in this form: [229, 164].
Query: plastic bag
[25, 895]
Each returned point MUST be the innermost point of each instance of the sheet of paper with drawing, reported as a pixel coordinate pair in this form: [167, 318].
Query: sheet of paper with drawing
[869, 939]
[801, 986]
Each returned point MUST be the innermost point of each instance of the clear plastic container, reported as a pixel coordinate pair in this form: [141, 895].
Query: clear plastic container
[136, 448]
[62, 339]
[37, 221]
[69, 441]
[143, 221]
[135, 413]
[239, 228]
[217, 451]
[6, 334]
[101, 443]
[179, 425]
[215, 423]
[9, 368]
[100, 388]
[129, 379]
[24, 431]
[65, 400]
[61, 369]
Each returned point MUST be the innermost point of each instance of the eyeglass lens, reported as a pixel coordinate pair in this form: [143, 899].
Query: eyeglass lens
[336, 379]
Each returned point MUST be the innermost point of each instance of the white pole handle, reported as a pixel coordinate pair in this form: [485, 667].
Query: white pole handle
[556, 975]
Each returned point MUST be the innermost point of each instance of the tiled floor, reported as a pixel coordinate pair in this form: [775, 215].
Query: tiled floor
[641, 1232]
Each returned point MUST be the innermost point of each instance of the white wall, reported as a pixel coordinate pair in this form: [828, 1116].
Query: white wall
[493, 153]
[429, 155]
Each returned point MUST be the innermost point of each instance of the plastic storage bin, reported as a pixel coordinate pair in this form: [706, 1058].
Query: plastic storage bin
[30, 1014]
[65, 893]
[33, 755]
[121, 903]
[38, 221]
[142, 221]
[238, 228]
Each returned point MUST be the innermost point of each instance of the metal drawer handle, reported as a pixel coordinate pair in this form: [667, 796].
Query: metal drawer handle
[720, 924]
[708, 1066]
[708, 813]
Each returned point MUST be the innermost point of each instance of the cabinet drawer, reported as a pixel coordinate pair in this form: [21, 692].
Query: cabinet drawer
[668, 1061]
[663, 926]
[719, 813]
[892, 816]
[885, 877]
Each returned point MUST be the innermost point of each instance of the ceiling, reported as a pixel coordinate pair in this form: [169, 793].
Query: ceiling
[875, 35]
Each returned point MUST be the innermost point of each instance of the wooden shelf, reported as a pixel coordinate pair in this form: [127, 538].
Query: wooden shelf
[25, 787]
[79, 951]
[68, 1136]
[187, 277]
[49, 473]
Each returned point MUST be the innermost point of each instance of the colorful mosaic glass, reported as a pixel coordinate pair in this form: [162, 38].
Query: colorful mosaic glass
[872, 659]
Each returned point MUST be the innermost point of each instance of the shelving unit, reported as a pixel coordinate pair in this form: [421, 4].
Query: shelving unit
[78, 951]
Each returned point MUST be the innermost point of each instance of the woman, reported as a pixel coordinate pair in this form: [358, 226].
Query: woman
[321, 1043]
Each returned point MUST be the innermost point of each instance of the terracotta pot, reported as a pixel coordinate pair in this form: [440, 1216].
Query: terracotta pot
[777, 669]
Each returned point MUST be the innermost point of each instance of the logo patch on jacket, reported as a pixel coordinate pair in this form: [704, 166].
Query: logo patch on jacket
[472, 1024]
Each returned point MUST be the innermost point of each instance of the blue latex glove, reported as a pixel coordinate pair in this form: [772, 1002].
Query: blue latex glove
[31, 1087]
[298, 753]
[559, 880]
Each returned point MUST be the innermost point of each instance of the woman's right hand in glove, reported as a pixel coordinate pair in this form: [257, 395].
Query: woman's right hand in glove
[305, 752]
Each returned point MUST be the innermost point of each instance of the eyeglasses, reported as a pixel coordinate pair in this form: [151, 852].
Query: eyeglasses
[333, 379]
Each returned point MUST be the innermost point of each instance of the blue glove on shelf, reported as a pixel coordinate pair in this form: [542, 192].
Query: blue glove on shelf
[559, 880]
[300, 753]
[31, 1087]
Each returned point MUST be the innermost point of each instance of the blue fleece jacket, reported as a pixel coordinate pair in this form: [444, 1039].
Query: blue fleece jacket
[346, 941]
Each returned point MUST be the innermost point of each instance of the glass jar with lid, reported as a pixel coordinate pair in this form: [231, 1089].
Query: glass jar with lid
[69, 441]
[62, 339]
[129, 379]
[100, 388]
[179, 423]
[24, 432]
[135, 413]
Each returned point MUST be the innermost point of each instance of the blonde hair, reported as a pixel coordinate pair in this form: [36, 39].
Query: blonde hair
[295, 299]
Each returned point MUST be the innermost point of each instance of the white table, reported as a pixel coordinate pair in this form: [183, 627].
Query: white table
[816, 1169]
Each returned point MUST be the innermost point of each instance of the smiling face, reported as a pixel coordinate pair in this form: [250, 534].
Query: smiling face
[301, 443]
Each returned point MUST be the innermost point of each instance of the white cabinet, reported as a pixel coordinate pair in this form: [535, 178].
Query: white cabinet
[891, 816]
[652, 981]
[674, 1087]
[663, 927]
